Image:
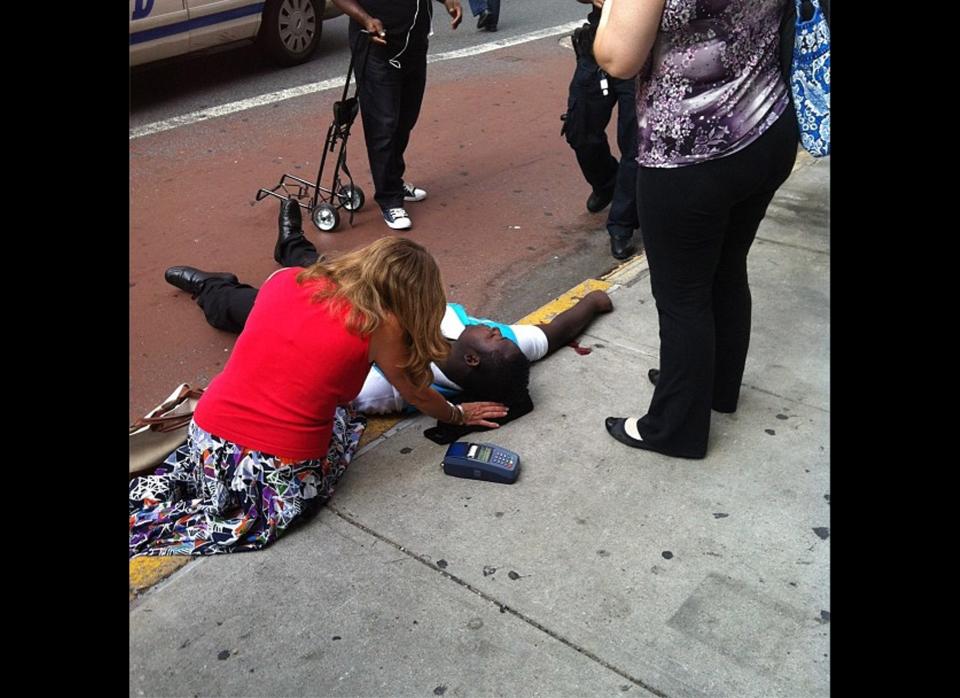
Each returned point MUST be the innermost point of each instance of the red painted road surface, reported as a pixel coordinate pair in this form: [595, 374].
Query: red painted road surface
[505, 216]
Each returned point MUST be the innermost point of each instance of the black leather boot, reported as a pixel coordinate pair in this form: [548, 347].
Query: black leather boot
[622, 247]
[599, 199]
[290, 223]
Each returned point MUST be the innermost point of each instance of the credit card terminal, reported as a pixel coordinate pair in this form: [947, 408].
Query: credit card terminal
[481, 462]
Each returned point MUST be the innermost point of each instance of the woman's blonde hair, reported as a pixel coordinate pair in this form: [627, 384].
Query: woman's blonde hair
[396, 275]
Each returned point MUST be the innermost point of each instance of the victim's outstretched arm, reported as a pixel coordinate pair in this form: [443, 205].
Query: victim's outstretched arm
[571, 323]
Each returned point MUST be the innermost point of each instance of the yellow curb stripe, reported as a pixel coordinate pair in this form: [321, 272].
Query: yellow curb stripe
[376, 427]
[563, 302]
[147, 571]
[627, 271]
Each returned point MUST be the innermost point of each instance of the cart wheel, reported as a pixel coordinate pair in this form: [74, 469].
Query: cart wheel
[325, 217]
[352, 197]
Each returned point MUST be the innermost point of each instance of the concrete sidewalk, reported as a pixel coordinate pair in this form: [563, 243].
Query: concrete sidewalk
[602, 571]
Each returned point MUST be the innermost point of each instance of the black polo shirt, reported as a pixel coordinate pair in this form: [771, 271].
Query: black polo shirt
[400, 18]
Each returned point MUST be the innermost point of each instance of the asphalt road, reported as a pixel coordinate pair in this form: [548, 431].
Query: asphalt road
[166, 89]
[505, 217]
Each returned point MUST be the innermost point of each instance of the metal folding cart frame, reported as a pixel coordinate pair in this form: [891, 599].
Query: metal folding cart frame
[323, 203]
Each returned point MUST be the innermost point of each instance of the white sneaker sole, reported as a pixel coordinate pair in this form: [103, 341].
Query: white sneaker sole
[414, 198]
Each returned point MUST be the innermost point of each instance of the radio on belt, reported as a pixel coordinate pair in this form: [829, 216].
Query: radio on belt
[480, 461]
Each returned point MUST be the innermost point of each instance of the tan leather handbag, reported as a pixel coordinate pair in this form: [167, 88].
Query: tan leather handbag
[154, 436]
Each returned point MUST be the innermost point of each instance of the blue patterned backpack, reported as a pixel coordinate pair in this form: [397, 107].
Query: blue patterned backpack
[809, 78]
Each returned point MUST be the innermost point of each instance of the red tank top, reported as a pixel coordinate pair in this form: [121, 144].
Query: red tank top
[294, 362]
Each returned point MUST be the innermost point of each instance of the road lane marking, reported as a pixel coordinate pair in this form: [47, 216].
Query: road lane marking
[292, 92]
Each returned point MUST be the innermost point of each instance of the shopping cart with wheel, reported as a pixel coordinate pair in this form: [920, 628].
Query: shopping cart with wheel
[322, 203]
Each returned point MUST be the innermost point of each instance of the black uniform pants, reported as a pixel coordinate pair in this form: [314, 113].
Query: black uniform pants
[588, 113]
[227, 304]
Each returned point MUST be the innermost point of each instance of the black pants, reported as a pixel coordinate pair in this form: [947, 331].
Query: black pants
[390, 100]
[588, 113]
[698, 224]
[227, 304]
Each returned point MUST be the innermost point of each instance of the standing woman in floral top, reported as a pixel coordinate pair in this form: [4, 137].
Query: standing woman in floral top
[717, 137]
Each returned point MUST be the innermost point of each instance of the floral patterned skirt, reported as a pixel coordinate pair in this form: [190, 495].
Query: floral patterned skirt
[213, 496]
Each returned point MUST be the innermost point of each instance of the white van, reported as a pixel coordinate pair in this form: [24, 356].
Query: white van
[288, 30]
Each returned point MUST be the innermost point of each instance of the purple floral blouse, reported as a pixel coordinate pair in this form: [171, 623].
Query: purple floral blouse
[712, 84]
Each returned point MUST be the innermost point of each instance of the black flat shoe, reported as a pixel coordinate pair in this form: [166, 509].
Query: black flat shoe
[615, 426]
[482, 19]
[654, 375]
[191, 279]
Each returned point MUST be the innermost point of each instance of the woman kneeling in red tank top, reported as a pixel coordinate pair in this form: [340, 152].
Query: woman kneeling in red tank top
[259, 449]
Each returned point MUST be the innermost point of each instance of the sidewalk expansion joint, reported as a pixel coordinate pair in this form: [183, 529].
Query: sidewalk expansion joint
[648, 351]
[791, 245]
[785, 398]
[501, 606]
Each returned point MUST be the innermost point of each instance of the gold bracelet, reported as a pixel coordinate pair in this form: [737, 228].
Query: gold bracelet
[463, 417]
[453, 412]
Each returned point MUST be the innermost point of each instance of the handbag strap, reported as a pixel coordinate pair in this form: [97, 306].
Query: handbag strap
[186, 393]
[174, 422]
[816, 7]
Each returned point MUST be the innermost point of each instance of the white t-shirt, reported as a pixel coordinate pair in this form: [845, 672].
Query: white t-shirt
[378, 396]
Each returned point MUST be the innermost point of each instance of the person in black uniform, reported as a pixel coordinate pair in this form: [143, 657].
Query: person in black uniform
[390, 90]
[590, 103]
